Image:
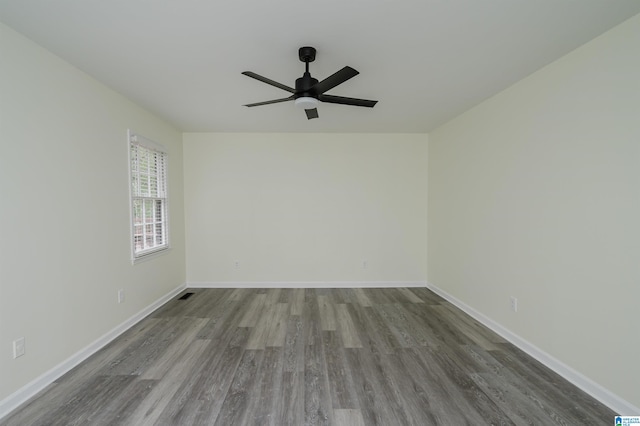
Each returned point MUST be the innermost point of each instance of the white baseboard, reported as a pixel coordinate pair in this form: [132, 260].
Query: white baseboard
[14, 400]
[305, 284]
[605, 396]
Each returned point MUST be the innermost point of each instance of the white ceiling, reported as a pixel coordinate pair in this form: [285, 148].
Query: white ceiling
[425, 61]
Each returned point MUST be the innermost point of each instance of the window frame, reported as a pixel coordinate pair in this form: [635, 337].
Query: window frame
[162, 173]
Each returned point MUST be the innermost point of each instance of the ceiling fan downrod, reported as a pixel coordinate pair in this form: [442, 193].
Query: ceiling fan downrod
[304, 84]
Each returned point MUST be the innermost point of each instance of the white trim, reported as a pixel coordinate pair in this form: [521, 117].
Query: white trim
[152, 254]
[305, 284]
[136, 139]
[146, 142]
[20, 396]
[602, 394]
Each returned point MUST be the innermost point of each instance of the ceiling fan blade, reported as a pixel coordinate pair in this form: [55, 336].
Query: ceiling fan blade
[268, 81]
[347, 101]
[311, 113]
[333, 80]
[275, 101]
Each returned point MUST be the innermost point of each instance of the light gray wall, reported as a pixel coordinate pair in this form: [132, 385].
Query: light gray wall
[64, 211]
[535, 194]
[294, 208]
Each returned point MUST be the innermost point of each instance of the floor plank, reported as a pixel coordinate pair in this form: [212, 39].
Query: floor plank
[297, 301]
[340, 382]
[151, 407]
[238, 403]
[327, 314]
[347, 328]
[348, 417]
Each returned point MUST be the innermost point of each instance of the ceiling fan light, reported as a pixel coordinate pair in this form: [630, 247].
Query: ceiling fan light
[306, 102]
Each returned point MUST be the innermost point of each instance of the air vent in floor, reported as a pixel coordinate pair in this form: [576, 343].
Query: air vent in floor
[185, 296]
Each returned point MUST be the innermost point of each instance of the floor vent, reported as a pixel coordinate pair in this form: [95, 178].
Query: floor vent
[185, 296]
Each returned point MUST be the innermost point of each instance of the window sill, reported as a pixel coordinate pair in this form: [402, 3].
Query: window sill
[150, 256]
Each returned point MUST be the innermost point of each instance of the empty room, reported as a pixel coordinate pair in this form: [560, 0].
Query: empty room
[341, 213]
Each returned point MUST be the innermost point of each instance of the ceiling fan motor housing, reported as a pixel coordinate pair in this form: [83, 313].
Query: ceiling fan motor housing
[304, 86]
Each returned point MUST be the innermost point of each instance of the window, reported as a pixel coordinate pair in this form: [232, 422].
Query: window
[149, 218]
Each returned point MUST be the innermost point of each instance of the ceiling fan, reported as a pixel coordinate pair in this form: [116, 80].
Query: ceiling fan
[309, 90]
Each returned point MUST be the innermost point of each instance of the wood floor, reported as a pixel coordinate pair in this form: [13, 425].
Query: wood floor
[400, 356]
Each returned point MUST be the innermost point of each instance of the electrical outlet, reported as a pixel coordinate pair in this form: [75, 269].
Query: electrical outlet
[237, 264]
[18, 347]
[121, 295]
[365, 264]
[514, 304]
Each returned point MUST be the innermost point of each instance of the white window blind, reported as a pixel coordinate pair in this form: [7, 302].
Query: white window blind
[148, 170]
